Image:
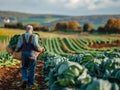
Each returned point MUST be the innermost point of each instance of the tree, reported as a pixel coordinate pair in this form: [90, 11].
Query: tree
[61, 26]
[88, 27]
[14, 25]
[68, 26]
[101, 29]
[113, 26]
[74, 25]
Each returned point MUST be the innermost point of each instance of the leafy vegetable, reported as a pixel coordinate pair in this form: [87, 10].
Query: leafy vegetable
[13, 41]
[68, 73]
[99, 84]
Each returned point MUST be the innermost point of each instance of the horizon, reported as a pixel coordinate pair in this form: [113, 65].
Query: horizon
[58, 14]
[63, 7]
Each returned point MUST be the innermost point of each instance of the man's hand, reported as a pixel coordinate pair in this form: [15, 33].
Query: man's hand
[42, 49]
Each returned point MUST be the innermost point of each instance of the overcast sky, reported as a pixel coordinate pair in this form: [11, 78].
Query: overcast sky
[62, 7]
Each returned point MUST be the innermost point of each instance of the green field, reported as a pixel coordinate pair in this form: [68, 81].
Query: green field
[40, 21]
[74, 61]
[74, 41]
[3, 38]
[11, 32]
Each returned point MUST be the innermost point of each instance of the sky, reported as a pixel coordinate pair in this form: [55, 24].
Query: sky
[62, 7]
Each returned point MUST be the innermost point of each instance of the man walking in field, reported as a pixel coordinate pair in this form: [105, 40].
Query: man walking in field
[28, 44]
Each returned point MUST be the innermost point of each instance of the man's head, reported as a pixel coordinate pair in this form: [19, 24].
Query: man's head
[29, 28]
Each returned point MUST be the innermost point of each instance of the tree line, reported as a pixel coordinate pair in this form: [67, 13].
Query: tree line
[111, 26]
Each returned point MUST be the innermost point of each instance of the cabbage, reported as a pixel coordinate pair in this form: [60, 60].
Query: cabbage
[65, 82]
[99, 84]
[117, 75]
[68, 74]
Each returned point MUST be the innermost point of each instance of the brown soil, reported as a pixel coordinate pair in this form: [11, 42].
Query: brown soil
[105, 45]
[11, 75]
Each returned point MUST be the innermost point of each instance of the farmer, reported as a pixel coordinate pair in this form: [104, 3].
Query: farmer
[28, 44]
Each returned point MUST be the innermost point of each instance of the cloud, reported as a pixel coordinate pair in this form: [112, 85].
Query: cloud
[103, 4]
[67, 7]
[73, 4]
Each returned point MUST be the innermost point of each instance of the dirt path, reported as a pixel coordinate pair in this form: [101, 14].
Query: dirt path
[105, 45]
[11, 75]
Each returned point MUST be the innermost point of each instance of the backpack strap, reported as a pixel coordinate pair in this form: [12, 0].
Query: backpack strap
[30, 38]
[24, 40]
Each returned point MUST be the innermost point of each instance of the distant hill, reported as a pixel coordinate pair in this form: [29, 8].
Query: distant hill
[18, 15]
[49, 20]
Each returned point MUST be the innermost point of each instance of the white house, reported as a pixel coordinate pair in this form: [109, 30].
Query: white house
[6, 20]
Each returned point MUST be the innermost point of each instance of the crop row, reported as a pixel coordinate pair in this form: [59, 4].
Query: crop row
[64, 46]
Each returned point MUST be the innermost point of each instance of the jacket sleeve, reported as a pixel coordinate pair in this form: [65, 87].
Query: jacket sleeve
[19, 44]
[35, 43]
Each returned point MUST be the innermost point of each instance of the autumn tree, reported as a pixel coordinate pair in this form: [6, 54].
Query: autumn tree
[113, 26]
[88, 27]
[61, 26]
[68, 26]
[14, 25]
[101, 29]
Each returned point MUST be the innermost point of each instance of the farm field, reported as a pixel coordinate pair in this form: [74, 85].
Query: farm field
[11, 32]
[71, 61]
[40, 21]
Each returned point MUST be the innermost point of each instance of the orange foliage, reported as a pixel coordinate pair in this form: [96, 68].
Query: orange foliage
[113, 25]
[71, 25]
[88, 27]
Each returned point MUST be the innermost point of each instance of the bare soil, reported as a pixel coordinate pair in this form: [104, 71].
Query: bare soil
[105, 45]
[12, 75]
